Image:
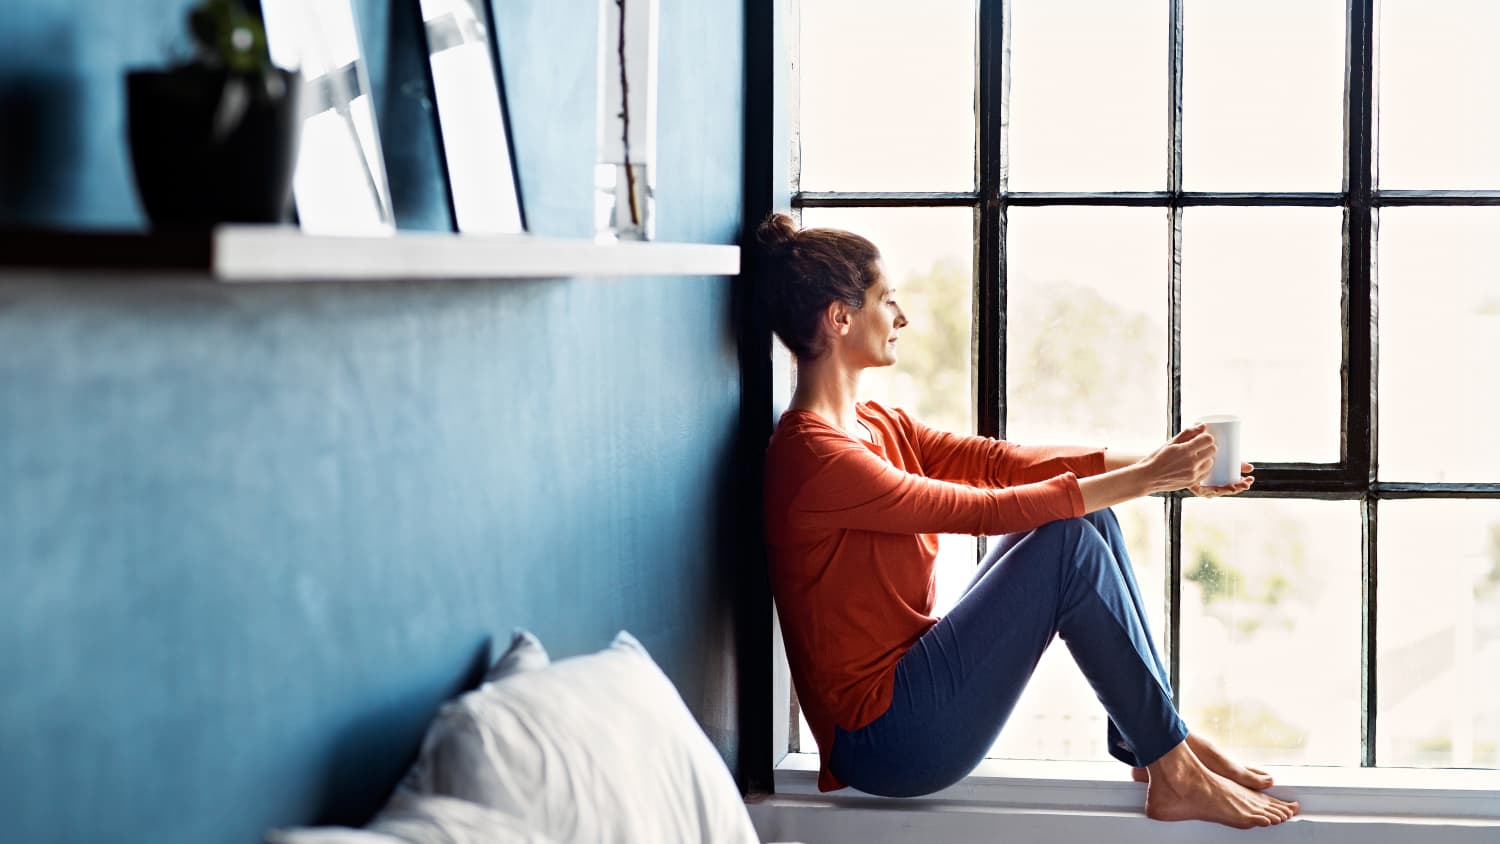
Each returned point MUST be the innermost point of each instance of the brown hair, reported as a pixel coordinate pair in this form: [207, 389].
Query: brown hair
[804, 271]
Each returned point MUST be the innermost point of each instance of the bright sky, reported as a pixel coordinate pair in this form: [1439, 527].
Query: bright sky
[887, 97]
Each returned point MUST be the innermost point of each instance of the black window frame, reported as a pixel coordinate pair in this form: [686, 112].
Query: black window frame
[1354, 475]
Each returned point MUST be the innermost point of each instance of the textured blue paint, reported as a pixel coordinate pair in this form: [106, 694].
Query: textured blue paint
[250, 537]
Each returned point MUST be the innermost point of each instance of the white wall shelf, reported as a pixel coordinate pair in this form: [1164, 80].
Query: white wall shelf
[264, 254]
[282, 254]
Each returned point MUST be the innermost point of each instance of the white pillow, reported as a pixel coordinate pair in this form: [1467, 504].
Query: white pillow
[524, 654]
[420, 819]
[595, 748]
[413, 818]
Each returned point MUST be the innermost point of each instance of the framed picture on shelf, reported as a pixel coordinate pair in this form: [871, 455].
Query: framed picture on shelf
[473, 124]
[340, 184]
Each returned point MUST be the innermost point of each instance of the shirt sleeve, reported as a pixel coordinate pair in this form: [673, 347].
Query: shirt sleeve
[855, 489]
[984, 461]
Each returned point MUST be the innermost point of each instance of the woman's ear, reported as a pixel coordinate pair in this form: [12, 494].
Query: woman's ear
[837, 318]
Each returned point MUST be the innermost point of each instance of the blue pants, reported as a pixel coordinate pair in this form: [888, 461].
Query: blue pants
[957, 685]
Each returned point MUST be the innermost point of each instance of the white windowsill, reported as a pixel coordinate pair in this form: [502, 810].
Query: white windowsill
[1077, 801]
[1106, 785]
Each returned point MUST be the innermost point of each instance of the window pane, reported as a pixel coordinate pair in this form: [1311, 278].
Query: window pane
[1270, 628]
[887, 95]
[1058, 716]
[929, 257]
[1261, 321]
[1439, 119]
[1263, 90]
[1439, 639]
[1087, 358]
[1439, 344]
[1088, 95]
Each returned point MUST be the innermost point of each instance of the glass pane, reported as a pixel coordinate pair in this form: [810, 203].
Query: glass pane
[1439, 640]
[1270, 628]
[887, 95]
[1058, 716]
[929, 257]
[1438, 71]
[1087, 328]
[1263, 95]
[1261, 321]
[1083, 72]
[1439, 344]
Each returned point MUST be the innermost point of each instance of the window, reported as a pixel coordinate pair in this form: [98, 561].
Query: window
[1110, 217]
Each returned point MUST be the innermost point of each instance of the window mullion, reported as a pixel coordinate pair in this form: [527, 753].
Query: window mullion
[1174, 339]
[989, 263]
[1358, 443]
[1368, 617]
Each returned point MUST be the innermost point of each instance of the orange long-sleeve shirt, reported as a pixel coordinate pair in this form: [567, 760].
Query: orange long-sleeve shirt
[850, 531]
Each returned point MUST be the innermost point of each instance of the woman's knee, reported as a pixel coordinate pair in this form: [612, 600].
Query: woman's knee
[1081, 543]
[1064, 531]
[1070, 532]
[1103, 521]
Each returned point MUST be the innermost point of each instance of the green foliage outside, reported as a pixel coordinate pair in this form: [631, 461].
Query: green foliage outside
[1086, 364]
[1217, 580]
[1490, 583]
[1250, 725]
[1081, 369]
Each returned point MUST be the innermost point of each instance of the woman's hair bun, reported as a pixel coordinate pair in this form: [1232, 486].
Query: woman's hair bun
[805, 270]
[777, 231]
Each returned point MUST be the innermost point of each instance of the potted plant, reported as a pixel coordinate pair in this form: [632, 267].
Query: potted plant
[214, 139]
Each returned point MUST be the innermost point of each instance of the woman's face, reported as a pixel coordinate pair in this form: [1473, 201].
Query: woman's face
[874, 328]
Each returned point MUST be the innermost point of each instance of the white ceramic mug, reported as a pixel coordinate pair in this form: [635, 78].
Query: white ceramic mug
[1225, 430]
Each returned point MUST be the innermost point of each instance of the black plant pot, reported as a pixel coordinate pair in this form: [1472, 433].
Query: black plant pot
[209, 146]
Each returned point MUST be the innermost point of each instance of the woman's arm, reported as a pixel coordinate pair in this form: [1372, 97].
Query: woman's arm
[1115, 486]
[854, 489]
[988, 462]
[1119, 460]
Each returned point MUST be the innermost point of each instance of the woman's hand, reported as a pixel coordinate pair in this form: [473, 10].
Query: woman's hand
[1244, 483]
[1182, 463]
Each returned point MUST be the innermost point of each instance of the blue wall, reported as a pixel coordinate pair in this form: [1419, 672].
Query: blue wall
[250, 537]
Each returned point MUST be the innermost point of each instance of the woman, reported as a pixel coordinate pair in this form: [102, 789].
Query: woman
[902, 703]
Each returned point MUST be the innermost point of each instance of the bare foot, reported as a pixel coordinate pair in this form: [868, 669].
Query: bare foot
[1218, 763]
[1183, 788]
